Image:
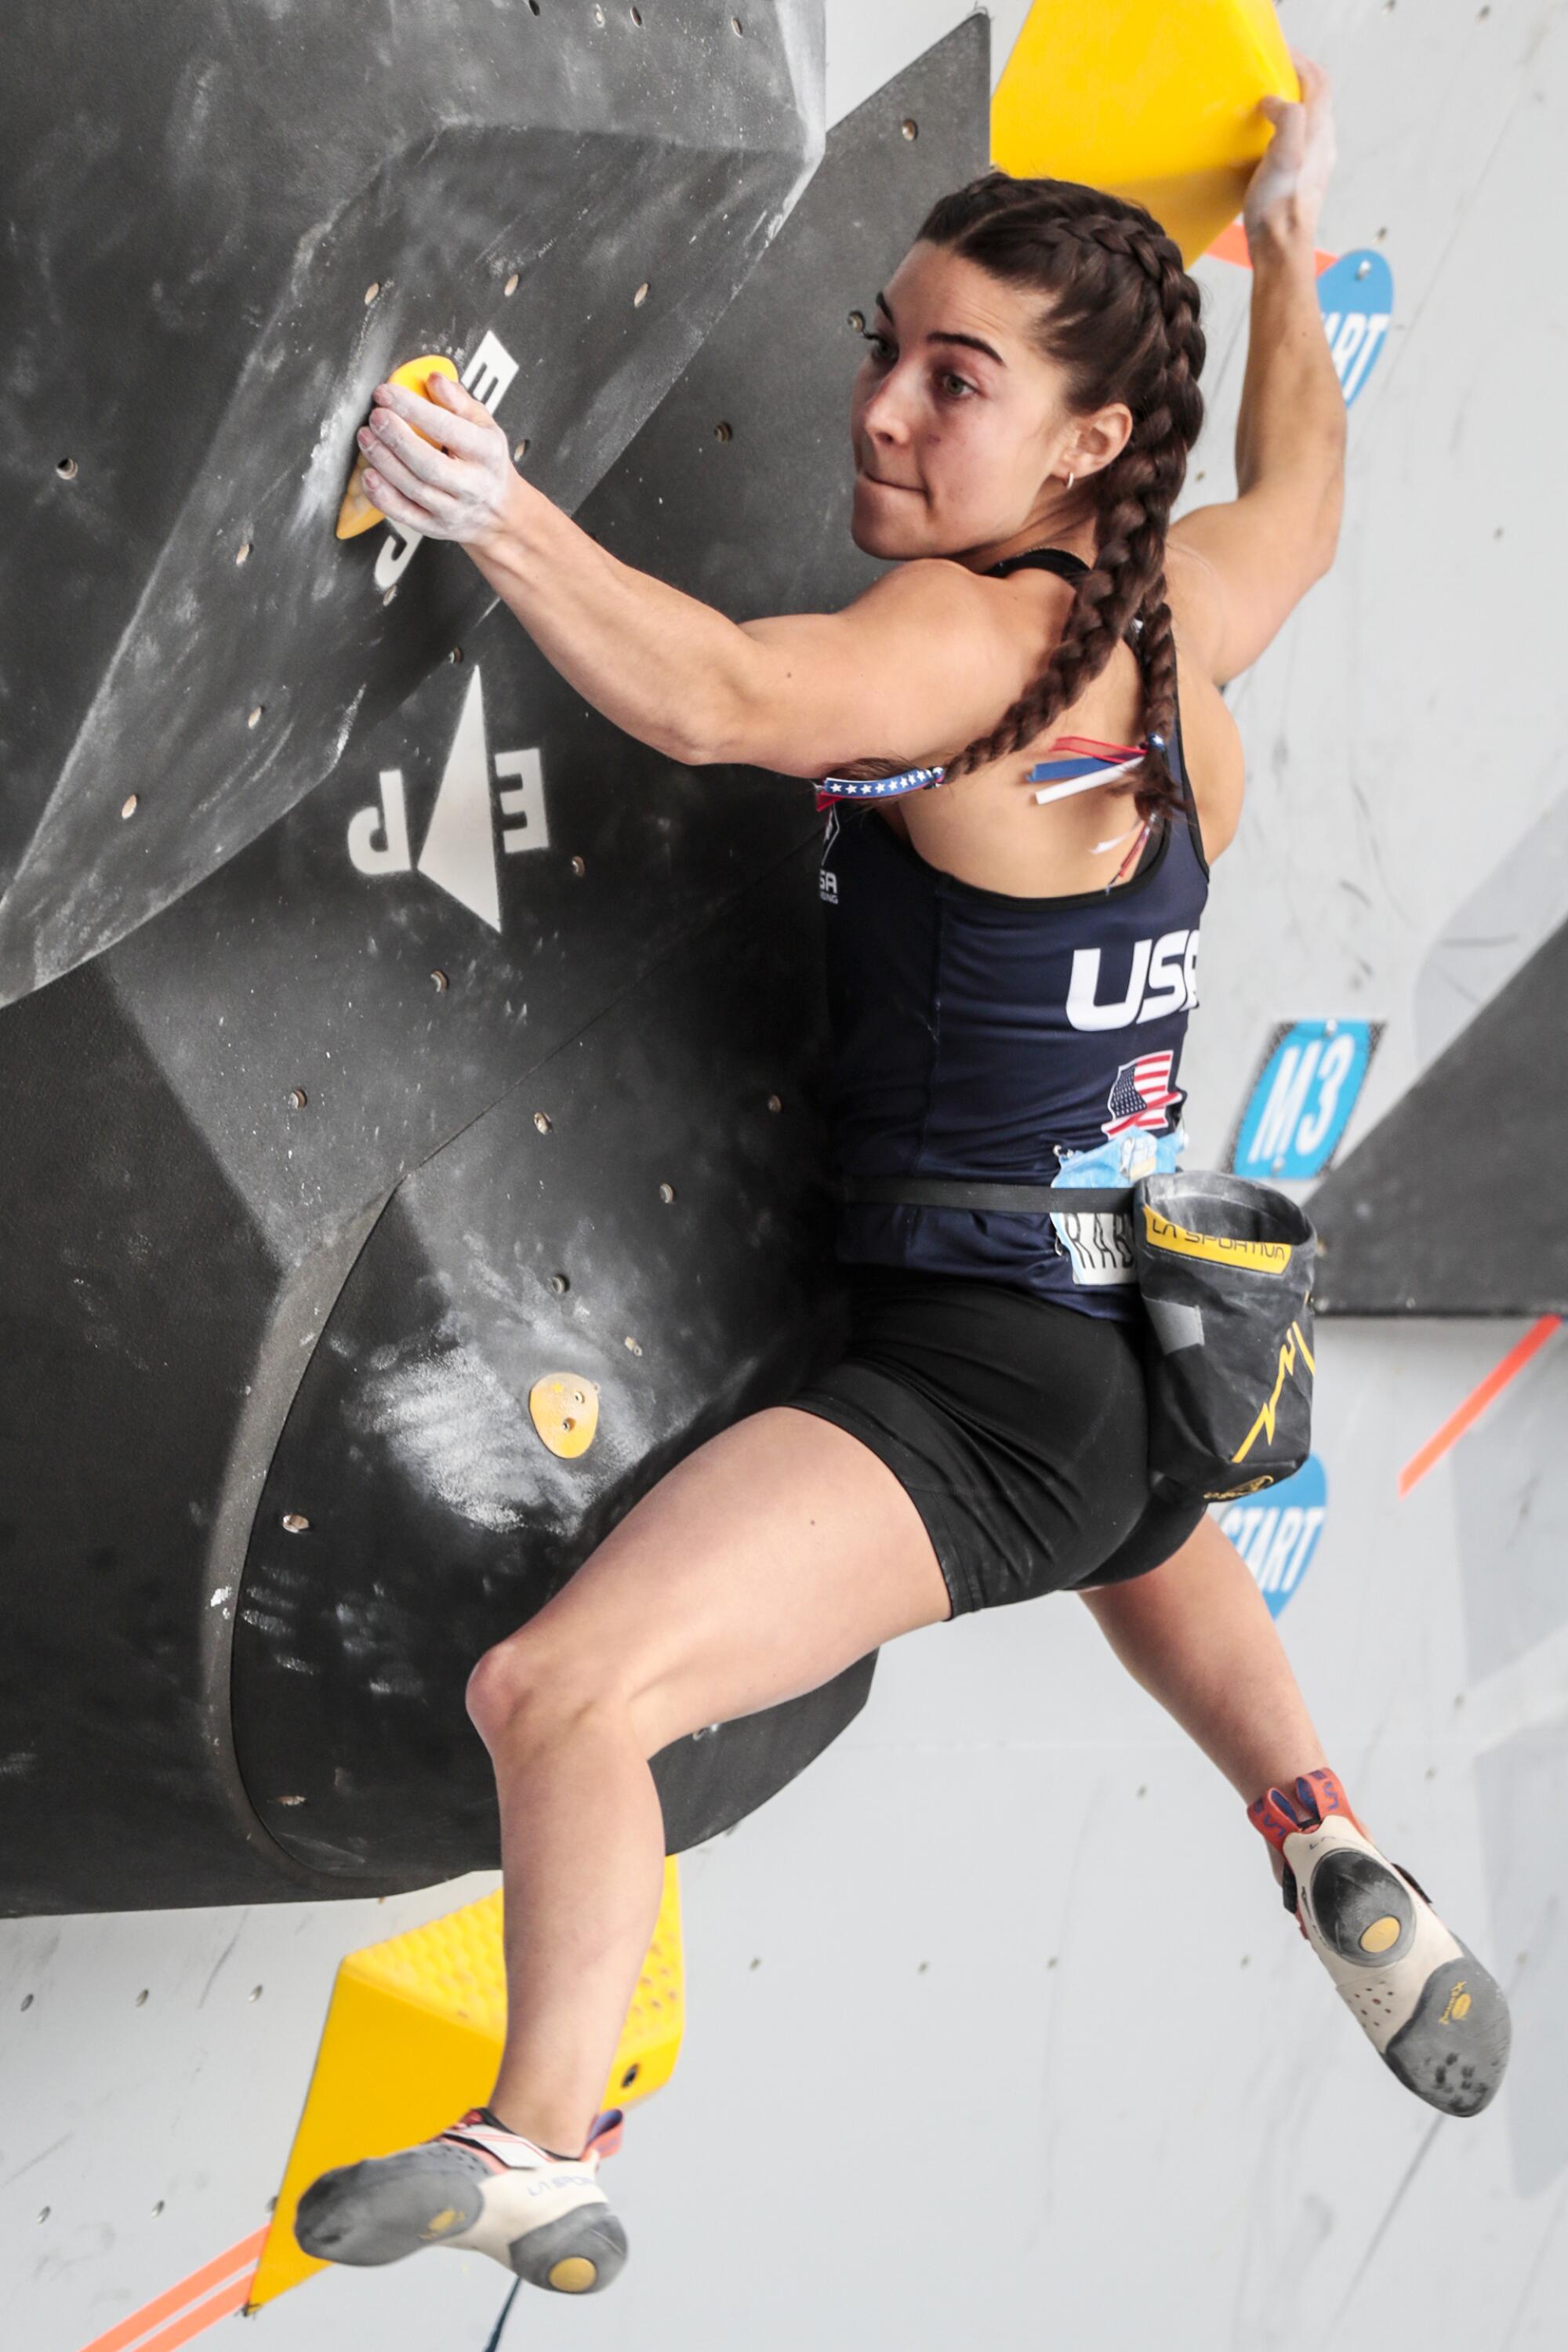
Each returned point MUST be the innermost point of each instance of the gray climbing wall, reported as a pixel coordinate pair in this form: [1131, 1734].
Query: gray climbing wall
[966, 2058]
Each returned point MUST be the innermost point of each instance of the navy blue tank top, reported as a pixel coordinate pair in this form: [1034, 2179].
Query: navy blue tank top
[981, 1035]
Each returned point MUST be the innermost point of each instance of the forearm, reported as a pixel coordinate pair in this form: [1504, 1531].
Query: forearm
[1290, 433]
[666, 668]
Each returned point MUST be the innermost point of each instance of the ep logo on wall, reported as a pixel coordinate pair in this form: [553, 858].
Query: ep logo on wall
[1302, 1096]
[1356, 297]
[1276, 1532]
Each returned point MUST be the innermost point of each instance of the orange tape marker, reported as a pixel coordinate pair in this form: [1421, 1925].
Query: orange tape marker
[181, 2312]
[1476, 1404]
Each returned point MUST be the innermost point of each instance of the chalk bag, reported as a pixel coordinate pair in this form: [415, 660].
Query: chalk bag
[1224, 1268]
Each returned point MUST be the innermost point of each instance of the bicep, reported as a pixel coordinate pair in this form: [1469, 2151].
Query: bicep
[912, 670]
[1237, 572]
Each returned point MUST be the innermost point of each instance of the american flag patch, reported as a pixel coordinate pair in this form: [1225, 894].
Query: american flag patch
[1141, 1094]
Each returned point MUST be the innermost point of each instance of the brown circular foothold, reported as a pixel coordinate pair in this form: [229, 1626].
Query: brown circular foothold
[295, 1523]
[297, 1097]
[440, 982]
[254, 717]
[512, 283]
[565, 1409]
[909, 127]
[242, 552]
[130, 804]
[542, 1120]
[67, 469]
[560, 1284]
[667, 1193]
[723, 431]
[775, 1103]
[579, 865]
[640, 296]
[370, 291]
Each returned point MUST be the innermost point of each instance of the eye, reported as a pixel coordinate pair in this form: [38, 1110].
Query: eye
[881, 349]
[954, 387]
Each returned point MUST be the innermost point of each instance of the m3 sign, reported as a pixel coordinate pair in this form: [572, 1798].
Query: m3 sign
[1301, 1100]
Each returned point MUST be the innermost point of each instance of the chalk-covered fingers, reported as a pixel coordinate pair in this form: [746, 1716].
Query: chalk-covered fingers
[1286, 194]
[439, 465]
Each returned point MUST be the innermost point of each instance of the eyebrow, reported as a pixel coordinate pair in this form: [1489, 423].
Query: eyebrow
[941, 335]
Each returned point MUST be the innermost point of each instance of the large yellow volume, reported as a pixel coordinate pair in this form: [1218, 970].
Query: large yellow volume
[1154, 99]
[412, 2035]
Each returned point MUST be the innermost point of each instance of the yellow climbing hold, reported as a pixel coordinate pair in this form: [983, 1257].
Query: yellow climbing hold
[1154, 99]
[565, 1409]
[356, 513]
[574, 2275]
[1380, 1935]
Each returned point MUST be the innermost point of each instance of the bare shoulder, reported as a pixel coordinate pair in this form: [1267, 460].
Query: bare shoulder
[1210, 738]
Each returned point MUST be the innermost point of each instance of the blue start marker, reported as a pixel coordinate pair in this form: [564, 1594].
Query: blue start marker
[1276, 1532]
[1302, 1098]
[1356, 297]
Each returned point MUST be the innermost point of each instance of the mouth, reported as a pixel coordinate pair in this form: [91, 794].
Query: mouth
[877, 482]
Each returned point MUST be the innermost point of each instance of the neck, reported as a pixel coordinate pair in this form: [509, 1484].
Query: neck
[1065, 523]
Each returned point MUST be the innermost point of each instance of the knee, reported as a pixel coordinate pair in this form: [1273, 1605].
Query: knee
[522, 1690]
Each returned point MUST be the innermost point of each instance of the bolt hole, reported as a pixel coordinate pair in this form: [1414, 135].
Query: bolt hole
[560, 1284]
[736, 26]
[295, 1523]
[579, 865]
[598, 15]
[775, 1104]
[242, 552]
[858, 321]
[909, 127]
[534, 7]
[67, 469]
[297, 1097]
[370, 291]
[667, 1193]
[567, 1422]
[390, 593]
[723, 431]
[255, 1992]
[28, 1999]
[509, 289]
[637, 19]
[629, 2077]
[634, 1346]
[640, 296]
[130, 804]
[455, 655]
[44, 2212]
[157, 2208]
[541, 1121]
[254, 717]
[520, 453]
[440, 982]
[141, 1998]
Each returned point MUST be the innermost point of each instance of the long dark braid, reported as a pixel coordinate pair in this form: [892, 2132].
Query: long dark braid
[1121, 316]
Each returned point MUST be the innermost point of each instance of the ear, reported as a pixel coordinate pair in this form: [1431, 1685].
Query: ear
[1101, 439]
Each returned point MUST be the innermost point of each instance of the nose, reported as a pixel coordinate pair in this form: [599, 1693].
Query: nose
[884, 415]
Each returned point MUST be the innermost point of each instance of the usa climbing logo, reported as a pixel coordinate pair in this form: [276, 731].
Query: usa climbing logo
[1141, 1096]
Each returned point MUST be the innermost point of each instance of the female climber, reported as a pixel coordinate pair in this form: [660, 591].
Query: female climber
[1011, 967]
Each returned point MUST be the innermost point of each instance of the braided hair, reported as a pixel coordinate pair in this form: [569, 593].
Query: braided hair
[1121, 320]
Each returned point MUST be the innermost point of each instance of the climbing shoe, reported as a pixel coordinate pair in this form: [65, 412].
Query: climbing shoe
[478, 2186]
[1428, 2008]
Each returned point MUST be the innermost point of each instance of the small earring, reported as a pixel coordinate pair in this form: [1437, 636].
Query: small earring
[1071, 480]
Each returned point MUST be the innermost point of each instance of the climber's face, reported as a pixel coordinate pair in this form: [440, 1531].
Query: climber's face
[958, 423]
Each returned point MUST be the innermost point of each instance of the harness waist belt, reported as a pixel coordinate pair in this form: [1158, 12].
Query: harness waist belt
[997, 1199]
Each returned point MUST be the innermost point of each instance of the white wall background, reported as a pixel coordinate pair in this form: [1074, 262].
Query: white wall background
[997, 2029]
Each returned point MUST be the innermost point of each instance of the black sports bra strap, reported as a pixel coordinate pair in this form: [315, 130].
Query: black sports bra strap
[1059, 560]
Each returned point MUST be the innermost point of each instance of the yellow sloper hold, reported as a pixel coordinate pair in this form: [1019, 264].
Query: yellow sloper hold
[356, 513]
[413, 2036]
[564, 1410]
[1154, 99]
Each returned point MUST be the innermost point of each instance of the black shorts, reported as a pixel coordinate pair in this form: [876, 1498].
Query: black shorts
[1017, 1427]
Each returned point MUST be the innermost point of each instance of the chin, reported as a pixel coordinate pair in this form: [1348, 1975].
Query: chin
[888, 537]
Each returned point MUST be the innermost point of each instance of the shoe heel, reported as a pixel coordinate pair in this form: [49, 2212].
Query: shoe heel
[579, 2255]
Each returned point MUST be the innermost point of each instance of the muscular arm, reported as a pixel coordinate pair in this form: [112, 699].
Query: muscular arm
[1239, 569]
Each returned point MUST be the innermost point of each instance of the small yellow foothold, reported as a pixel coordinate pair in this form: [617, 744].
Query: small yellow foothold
[439, 2223]
[356, 513]
[574, 2275]
[1380, 1935]
[564, 1410]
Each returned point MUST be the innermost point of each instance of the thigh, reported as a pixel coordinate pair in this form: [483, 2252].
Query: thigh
[762, 1564]
[1159, 1534]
